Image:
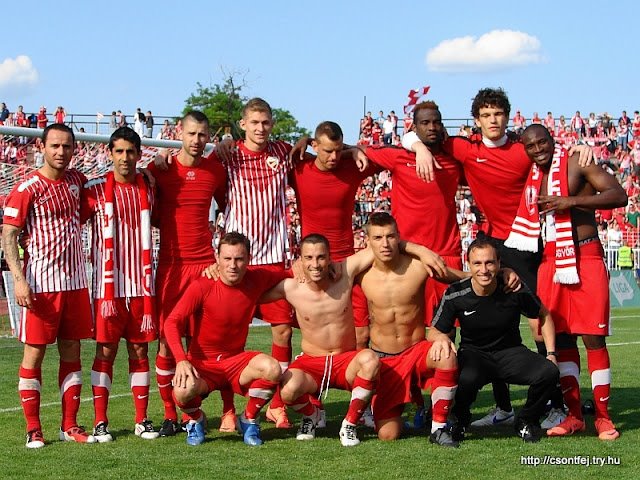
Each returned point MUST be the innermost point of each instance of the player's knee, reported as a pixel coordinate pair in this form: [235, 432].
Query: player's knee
[271, 370]
[369, 364]
[390, 430]
[281, 335]
[450, 363]
[594, 342]
[182, 395]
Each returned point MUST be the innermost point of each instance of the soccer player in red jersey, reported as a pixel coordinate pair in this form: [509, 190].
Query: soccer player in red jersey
[257, 171]
[574, 283]
[52, 288]
[425, 212]
[119, 204]
[183, 201]
[496, 169]
[223, 310]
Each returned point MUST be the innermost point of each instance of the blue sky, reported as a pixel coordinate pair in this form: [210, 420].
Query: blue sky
[320, 59]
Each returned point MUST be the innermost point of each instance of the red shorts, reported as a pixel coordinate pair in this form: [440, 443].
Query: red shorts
[434, 291]
[333, 367]
[397, 375]
[126, 324]
[279, 312]
[221, 373]
[172, 281]
[57, 315]
[583, 308]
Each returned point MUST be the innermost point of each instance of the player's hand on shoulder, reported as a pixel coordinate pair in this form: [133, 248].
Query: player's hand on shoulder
[299, 149]
[359, 157]
[212, 272]
[585, 154]
[298, 271]
[225, 149]
[162, 160]
[425, 163]
[512, 282]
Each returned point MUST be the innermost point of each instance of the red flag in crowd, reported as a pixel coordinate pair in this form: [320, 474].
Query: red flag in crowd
[413, 98]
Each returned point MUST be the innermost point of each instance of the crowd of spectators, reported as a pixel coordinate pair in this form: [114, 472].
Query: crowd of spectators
[616, 146]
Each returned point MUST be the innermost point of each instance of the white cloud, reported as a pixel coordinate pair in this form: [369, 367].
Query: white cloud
[18, 73]
[495, 50]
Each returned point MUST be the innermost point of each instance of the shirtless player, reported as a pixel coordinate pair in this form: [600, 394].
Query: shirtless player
[325, 315]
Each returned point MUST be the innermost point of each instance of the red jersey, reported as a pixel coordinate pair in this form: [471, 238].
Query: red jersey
[182, 209]
[326, 200]
[42, 120]
[221, 314]
[127, 261]
[496, 175]
[425, 212]
[50, 212]
[256, 205]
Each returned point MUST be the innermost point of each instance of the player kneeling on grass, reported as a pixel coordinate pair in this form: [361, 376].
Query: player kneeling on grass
[119, 205]
[222, 311]
[490, 344]
[325, 315]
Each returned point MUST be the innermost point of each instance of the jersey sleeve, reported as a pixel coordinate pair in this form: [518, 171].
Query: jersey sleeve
[17, 206]
[457, 147]
[88, 202]
[175, 324]
[529, 302]
[444, 319]
[384, 157]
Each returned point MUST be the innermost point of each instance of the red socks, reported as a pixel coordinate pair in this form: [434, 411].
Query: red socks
[165, 370]
[70, 383]
[599, 369]
[139, 379]
[569, 366]
[361, 392]
[443, 390]
[29, 385]
[101, 378]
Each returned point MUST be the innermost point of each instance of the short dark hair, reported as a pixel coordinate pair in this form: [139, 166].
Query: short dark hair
[315, 238]
[538, 127]
[257, 104]
[380, 219]
[61, 127]
[483, 242]
[331, 129]
[128, 134]
[197, 116]
[428, 105]
[490, 97]
[235, 238]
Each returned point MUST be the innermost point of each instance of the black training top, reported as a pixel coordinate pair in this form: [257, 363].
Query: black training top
[486, 323]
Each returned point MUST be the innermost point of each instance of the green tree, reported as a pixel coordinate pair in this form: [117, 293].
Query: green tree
[286, 126]
[222, 104]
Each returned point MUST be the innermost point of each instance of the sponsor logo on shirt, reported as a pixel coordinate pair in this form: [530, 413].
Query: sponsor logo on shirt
[191, 175]
[467, 312]
[75, 190]
[481, 160]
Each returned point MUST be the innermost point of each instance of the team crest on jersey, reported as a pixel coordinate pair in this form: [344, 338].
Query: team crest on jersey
[531, 198]
[75, 190]
[273, 162]
[191, 175]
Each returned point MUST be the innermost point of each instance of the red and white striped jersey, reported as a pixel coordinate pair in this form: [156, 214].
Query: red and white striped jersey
[256, 200]
[49, 211]
[127, 262]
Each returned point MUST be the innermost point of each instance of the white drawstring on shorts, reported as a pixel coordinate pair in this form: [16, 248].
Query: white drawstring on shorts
[326, 376]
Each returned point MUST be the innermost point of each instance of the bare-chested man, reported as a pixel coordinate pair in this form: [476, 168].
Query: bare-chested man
[325, 315]
[394, 287]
